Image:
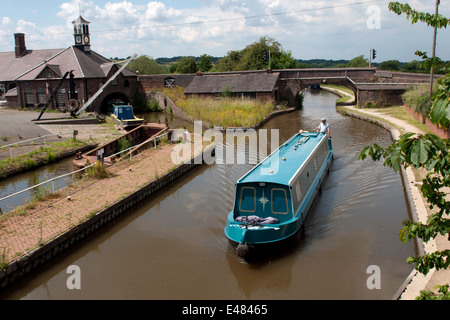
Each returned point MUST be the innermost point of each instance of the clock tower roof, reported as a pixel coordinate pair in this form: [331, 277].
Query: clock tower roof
[80, 20]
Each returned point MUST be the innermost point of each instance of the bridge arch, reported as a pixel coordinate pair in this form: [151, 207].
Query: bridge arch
[111, 99]
[291, 88]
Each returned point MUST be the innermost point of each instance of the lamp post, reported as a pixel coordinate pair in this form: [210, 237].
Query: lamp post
[433, 54]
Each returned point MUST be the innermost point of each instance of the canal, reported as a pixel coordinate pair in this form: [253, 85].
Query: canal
[174, 247]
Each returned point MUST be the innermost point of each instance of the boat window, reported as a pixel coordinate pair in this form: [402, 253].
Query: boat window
[298, 191]
[279, 201]
[247, 202]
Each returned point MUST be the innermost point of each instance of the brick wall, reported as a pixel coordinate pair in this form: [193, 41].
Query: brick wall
[436, 129]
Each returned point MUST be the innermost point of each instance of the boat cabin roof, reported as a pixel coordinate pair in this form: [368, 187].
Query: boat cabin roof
[282, 165]
[124, 112]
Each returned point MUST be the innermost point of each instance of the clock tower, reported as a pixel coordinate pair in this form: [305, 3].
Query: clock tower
[81, 34]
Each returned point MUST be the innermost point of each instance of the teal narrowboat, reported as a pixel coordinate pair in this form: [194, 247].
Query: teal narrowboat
[273, 199]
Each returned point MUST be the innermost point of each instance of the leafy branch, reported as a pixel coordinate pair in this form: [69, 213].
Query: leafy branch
[432, 20]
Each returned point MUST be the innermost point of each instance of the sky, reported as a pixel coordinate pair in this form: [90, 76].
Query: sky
[332, 30]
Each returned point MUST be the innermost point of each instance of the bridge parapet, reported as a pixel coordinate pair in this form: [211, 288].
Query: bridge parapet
[368, 84]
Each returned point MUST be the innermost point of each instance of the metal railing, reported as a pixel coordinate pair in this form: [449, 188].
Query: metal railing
[52, 181]
[10, 146]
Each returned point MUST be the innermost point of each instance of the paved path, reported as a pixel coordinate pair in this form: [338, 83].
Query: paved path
[12, 120]
[17, 126]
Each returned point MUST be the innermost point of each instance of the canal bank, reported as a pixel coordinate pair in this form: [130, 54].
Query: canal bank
[418, 207]
[33, 236]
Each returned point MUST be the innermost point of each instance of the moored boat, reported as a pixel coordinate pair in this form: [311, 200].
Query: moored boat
[273, 199]
[141, 137]
[124, 115]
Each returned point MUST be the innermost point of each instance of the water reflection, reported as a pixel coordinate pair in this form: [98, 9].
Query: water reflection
[26, 180]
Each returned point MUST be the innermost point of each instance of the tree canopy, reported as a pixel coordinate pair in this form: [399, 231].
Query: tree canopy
[146, 65]
[256, 57]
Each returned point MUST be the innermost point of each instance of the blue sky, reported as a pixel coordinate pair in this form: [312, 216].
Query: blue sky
[324, 29]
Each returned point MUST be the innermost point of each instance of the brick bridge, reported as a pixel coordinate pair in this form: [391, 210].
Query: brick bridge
[369, 84]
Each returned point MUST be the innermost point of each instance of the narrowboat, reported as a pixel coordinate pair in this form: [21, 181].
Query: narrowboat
[273, 199]
[124, 115]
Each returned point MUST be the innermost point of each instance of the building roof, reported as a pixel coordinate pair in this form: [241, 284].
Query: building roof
[80, 20]
[33, 63]
[215, 84]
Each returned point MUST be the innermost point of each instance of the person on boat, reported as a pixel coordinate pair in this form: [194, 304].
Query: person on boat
[324, 127]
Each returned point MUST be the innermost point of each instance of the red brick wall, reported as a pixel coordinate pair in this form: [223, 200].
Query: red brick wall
[436, 129]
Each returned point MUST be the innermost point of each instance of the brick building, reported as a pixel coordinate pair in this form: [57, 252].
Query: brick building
[29, 77]
[264, 86]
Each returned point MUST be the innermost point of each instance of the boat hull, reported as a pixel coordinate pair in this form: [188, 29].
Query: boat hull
[257, 251]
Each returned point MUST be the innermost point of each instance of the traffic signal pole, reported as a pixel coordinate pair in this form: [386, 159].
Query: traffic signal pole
[372, 56]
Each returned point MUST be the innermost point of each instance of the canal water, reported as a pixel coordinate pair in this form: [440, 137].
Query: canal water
[173, 246]
[29, 179]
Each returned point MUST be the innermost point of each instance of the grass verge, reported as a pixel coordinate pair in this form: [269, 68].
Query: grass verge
[42, 155]
[223, 112]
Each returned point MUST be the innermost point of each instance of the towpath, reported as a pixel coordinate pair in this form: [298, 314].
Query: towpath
[39, 222]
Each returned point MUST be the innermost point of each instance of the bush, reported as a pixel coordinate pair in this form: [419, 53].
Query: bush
[123, 144]
[142, 105]
[50, 157]
[97, 171]
[418, 98]
[30, 163]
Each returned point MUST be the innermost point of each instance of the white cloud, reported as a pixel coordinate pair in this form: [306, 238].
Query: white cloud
[158, 12]
[310, 29]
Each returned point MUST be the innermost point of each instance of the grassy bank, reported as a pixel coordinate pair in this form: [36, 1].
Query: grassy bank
[222, 112]
[43, 155]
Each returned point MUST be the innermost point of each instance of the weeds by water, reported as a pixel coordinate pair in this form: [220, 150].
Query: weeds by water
[42, 155]
[97, 171]
[224, 111]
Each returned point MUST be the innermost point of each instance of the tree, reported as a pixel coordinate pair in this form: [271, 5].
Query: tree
[413, 66]
[256, 57]
[146, 65]
[205, 63]
[229, 62]
[187, 65]
[359, 61]
[392, 65]
[432, 154]
[284, 60]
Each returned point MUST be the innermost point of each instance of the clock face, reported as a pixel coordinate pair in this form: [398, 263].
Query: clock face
[78, 39]
[86, 39]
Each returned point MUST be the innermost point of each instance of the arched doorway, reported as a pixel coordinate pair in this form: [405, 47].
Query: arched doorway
[112, 99]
